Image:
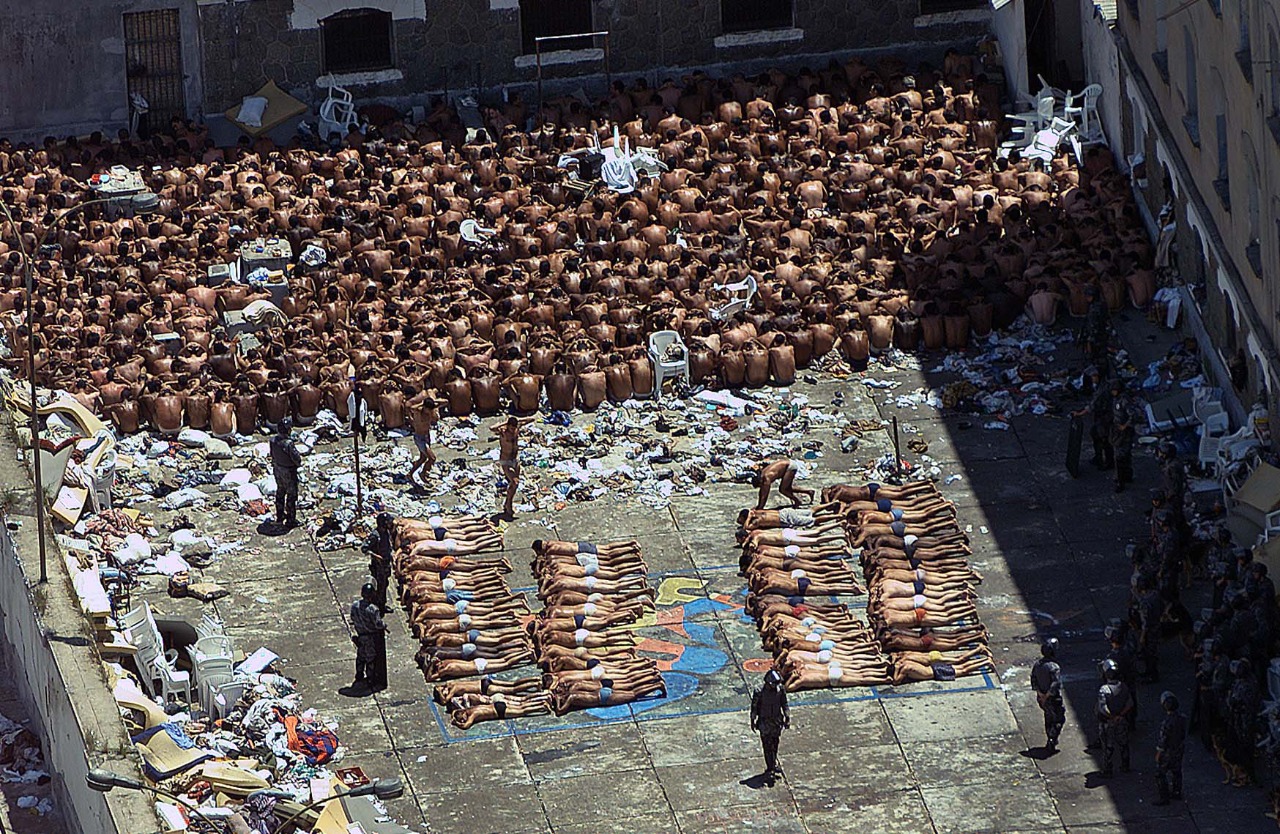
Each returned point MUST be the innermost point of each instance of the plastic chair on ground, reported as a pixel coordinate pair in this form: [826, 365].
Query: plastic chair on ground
[1044, 145]
[1206, 402]
[224, 696]
[741, 292]
[1212, 434]
[667, 361]
[209, 686]
[1038, 119]
[1087, 111]
[210, 626]
[337, 111]
[172, 681]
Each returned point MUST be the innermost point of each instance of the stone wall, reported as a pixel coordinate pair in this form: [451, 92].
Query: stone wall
[476, 44]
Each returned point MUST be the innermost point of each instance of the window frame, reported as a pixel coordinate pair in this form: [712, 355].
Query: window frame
[349, 15]
[760, 24]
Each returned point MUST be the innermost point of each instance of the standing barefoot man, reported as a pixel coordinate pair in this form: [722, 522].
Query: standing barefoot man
[783, 471]
[423, 417]
[508, 434]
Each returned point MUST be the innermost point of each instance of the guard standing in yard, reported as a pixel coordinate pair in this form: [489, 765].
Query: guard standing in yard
[1170, 744]
[378, 546]
[1123, 433]
[1100, 409]
[371, 641]
[1114, 703]
[1046, 680]
[769, 717]
[285, 460]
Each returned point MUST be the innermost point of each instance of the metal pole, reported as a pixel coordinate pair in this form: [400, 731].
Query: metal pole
[537, 51]
[35, 417]
[357, 426]
[897, 451]
[29, 275]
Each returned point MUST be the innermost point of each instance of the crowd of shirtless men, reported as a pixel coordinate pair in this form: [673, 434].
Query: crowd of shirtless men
[922, 621]
[868, 204]
[471, 626]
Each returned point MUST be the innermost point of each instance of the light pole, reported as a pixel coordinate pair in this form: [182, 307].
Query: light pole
[143, 203]
[104, 781]
[384, 789]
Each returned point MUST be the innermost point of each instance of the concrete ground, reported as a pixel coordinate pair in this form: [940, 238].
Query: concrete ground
[959, 757]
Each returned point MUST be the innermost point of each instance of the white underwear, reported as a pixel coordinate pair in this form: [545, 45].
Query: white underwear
[918, 600]
[590, 570]
[808, 621]
[585, 559]
[789, 535]
[448, 584]
[834, 671]
[580, 635]
[464, 620]
[596, 597]
[798, 574]
[481, 663]
[468, 649]
[824, 656]
[436, 522]
[597, 672]
[910, 538]
[461, 605]
[588, 608]
[792, 550]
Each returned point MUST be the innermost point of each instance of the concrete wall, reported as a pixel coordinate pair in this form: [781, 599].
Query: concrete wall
[1102, 66]
[1009, 24]
[64, 69]
[49, 650]
[1229, 230]
[476, 44]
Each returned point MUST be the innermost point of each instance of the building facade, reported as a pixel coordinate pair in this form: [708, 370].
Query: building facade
[1197, 89]
[199, 57]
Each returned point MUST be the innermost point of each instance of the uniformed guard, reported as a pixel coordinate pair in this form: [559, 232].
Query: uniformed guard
[1101, 410]
[1046, 680]
[370, 639]
[1112, 710]
[1097, 331]
[1170, 744]
[1126, 663]
[769, 717]
[285, 460]
[378, 546]
[1123, 433]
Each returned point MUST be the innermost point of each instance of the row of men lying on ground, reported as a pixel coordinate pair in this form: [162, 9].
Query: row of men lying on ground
[470, 624]
[923, 608]
[863, 221]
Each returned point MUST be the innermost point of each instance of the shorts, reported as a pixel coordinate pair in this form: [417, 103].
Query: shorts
[420, 440]
[511, 468]
[588, 547]
[792, 517]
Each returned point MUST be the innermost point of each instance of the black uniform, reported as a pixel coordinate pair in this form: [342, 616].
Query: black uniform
[1123, 435]
[1097, 335]
[371, 643]
[285, 460]
[769, 717]
[1102, 409]
[1046, 680]
[1114, 703]
[1170, 745]
[378, 546]
[1128, 666]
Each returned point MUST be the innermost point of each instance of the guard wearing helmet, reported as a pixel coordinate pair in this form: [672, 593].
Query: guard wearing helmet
[1114, 704]
[769, 717]
[1046, 680]
[378, 546]
[370, 639]
[1170, 744]
[285, 460]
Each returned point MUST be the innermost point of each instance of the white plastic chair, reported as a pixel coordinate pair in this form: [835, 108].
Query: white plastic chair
[172, 681]
[1213, 432]
[1044, 144]
[337, 111]
[1036, 120]
[210, 685]
[1087, 111]
[745, 290]
[662, 366]
[223, 696]
[215, 646]
[210, 626]
[1206, 402]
